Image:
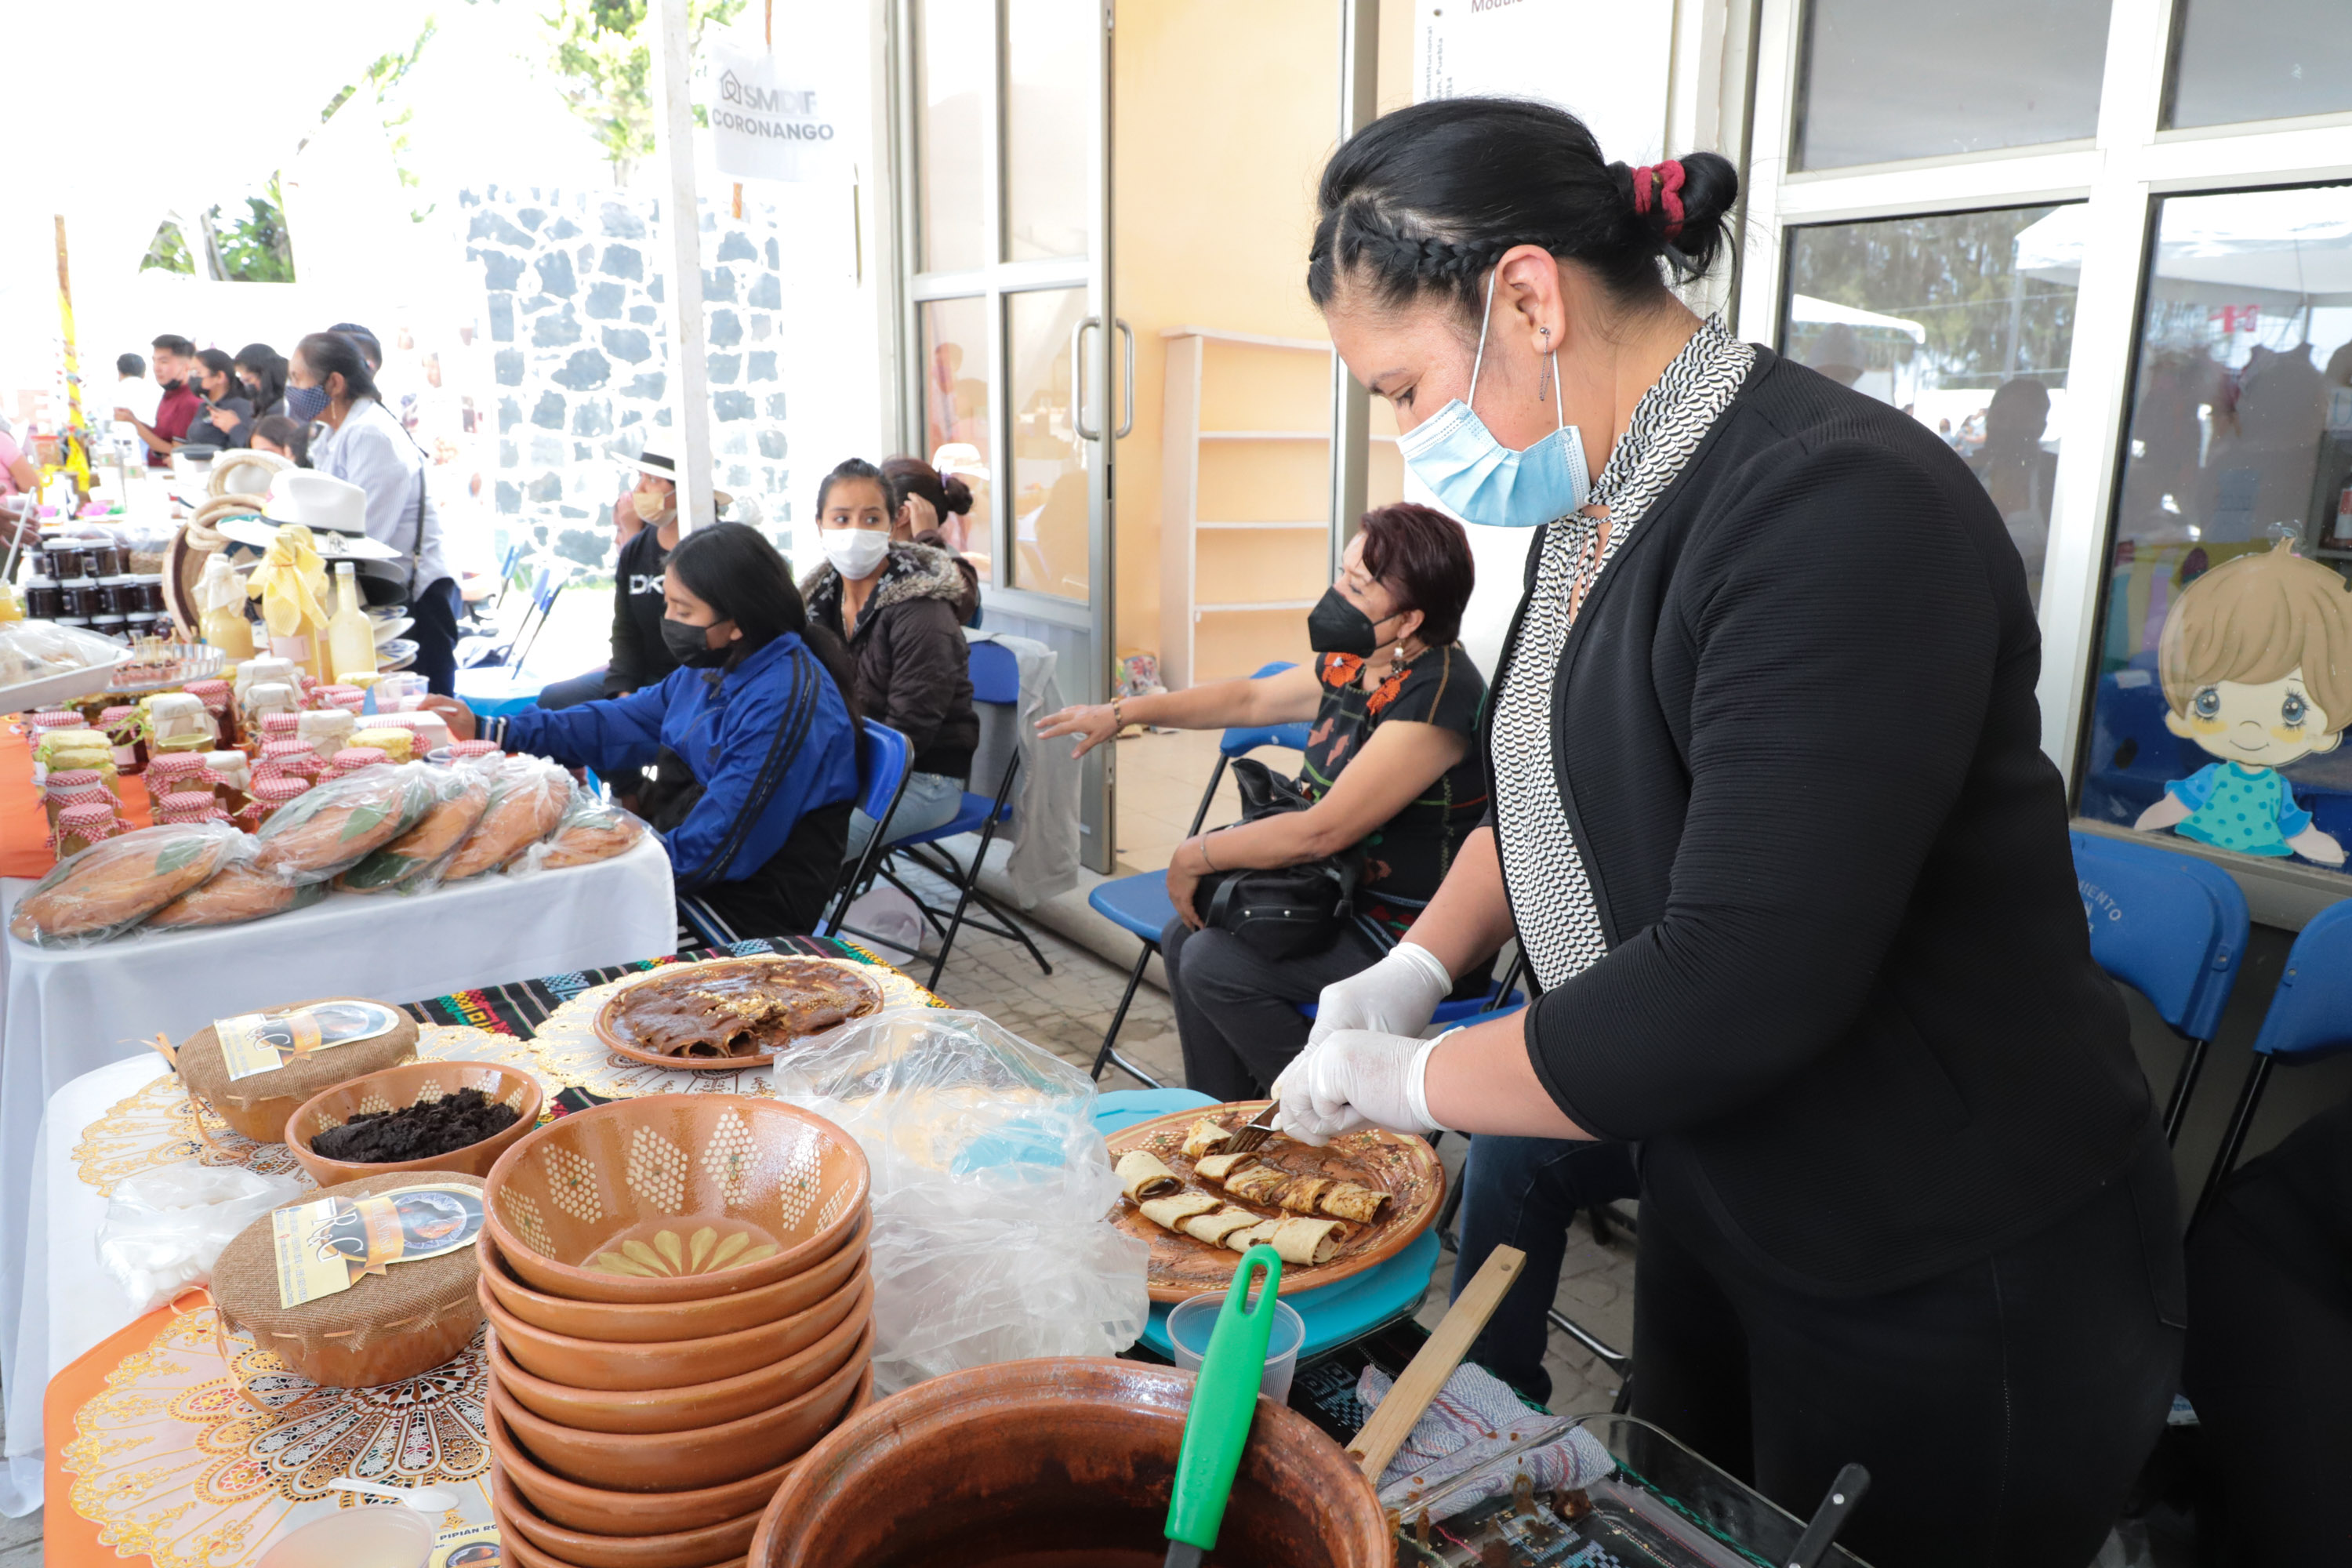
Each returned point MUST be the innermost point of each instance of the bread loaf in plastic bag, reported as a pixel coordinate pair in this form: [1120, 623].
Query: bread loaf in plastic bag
[236, 893]
[592, 829]
[412, 862]
[331, 827]
[991, 1191]
[528, 795]
[108, 888]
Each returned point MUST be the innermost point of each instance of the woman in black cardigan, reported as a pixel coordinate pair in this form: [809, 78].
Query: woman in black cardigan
[1774, 829]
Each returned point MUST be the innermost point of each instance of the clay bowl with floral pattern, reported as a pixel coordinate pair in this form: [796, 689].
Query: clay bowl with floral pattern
[712, 1544]
[667, 1461]
[601, 1511]
[397, 1089]
[675, 1319]
[601, 1367]
[692, 1405]
[674, 1197]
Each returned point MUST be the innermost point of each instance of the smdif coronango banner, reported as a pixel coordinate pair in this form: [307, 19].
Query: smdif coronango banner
[763, 127]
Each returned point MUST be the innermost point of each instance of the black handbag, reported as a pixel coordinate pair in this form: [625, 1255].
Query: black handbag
[1287, 910]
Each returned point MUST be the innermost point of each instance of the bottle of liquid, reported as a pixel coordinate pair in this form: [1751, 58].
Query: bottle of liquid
[351, 639]
[220, 601]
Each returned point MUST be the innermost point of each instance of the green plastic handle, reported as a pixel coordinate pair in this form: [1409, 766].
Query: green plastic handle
[1225, 1403]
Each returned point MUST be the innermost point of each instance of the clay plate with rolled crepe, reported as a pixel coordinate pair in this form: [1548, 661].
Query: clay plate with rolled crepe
[764, 1002]
[1181, 1266]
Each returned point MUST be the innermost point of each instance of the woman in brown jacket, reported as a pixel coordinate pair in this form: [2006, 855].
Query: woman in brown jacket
[896, 604]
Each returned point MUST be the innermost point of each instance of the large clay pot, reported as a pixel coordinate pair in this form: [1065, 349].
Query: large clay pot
[1002, 1464]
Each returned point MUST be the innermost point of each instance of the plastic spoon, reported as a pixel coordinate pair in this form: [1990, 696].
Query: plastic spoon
[423, 1500]
[1225, 1403]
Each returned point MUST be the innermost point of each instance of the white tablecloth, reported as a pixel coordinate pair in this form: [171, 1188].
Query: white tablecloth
[70, 1010]
[74, 1303]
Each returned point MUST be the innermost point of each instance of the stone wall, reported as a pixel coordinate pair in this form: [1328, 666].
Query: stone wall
[575, 318]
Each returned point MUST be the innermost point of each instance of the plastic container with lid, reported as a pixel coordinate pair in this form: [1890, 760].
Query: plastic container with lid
[149, 590]
[111, 626]
[83, 824]
[66, 562]
[76, 596]
[106, 557]
[43, 600]
[114, 595]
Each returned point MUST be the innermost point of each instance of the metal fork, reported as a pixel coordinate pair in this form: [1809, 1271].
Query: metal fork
[1254, 1136]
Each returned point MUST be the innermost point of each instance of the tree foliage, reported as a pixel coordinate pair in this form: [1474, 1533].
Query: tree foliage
[1955, 274]
[602, 56]
[168, 251]
[252, 245]
[383, 78]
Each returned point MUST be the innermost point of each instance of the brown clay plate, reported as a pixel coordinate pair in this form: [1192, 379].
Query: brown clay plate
[1403, 1166]
[614, 1030]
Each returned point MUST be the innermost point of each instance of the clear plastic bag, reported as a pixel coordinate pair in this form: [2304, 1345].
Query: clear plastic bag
[164, 1228]
[528, 796]
[331, 827]
[236, 893]
[108, 888]
[34, 650]
[592, 829]
[412, 863]
[991, 1189]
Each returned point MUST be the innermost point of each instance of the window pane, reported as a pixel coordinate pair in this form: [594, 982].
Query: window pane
[2224, 676]
[1965, 322]
[955, 411]
[1050, 107]
[953, 45]
[2260, 59]
[1883, 79]
[1049, 461]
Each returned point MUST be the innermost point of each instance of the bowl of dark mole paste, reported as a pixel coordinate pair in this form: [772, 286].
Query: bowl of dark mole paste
[420, 1116]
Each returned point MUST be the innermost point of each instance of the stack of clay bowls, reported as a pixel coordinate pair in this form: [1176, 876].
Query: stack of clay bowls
[680, 1307]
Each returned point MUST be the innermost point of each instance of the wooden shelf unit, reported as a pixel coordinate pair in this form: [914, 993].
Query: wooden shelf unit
[1241, 577]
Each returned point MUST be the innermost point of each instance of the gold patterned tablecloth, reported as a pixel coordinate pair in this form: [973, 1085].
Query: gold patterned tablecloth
[170, 1460]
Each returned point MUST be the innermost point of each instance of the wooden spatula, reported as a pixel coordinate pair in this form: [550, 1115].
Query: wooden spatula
[1393, 1422]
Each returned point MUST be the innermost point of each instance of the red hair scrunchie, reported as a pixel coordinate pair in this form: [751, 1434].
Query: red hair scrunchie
[1668, 177]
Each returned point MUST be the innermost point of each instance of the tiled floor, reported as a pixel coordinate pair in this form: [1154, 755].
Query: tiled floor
[1068, 1011]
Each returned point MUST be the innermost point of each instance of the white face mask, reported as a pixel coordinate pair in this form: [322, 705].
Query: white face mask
[854, 552]
[1484, 481]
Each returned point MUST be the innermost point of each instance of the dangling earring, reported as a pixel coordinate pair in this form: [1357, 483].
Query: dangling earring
[1543, 387]
[1398, 663]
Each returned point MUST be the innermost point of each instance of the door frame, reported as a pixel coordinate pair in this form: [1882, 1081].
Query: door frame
[1085, 679]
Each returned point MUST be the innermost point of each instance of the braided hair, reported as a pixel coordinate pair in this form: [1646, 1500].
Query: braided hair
[1426, 199]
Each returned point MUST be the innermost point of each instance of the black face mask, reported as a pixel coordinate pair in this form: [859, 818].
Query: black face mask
[1335, 626]
[690, 645]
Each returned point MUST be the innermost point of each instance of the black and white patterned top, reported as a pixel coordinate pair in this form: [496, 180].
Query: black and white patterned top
[1552, 903]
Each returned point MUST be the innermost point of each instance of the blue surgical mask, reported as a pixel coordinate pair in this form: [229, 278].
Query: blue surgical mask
[1455, 454]
[305, 403]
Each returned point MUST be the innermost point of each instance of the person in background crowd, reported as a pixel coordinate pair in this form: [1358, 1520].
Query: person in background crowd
[895, 605]
[928, 500]
[753, 740]
[328, 381]
[227, 416]
[264, 375]
[275, 433]
[2017, 472]
[176, 410]
[132, 390]
[1389, 762]
[370, 349]
[646, 518]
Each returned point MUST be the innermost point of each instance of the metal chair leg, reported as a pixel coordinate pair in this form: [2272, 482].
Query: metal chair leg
[970, 888]
[2234, 1141]
[1118, 1019]
[2183, 1087]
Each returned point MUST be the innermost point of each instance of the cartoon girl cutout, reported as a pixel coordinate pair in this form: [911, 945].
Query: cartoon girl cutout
[2256, 659]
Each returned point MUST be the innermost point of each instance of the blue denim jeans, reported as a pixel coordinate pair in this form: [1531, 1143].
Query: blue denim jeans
[931, 800]
[1522, 1192]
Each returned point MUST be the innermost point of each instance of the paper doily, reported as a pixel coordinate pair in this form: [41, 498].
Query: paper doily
[569, 1052]
[172, 1461]
[161, 1124]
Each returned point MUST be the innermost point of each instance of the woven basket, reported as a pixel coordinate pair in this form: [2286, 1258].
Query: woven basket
[258, 1107]
[387, 1327]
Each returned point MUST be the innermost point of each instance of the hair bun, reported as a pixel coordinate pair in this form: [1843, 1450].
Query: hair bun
[958, 493]
[1684, 202]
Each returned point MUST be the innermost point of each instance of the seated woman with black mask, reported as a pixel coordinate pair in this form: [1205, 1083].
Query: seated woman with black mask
[1390, 766]
[753, 738]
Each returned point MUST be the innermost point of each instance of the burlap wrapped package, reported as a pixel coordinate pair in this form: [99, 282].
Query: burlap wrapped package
[258, 1106]
[407, 1321]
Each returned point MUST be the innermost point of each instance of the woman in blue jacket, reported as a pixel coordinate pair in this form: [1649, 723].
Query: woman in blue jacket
[752, 741]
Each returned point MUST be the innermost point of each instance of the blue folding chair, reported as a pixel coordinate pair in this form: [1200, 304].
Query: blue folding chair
[2310, 1017]
[2173, 928]
[1140, 903]
[884, 758]
[995, 678]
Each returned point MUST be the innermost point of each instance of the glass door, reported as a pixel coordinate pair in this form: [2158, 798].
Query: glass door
[1004, 158]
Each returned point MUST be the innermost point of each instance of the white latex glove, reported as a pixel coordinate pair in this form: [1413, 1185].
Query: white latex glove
[1395, 996]
[1358, 1078]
